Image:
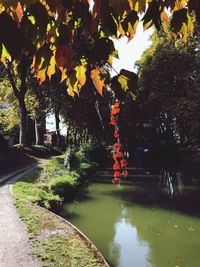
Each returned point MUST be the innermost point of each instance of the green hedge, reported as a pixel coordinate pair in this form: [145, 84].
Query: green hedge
[64, 186]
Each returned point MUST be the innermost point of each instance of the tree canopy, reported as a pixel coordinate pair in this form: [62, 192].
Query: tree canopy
[74, 36]
[169, 86]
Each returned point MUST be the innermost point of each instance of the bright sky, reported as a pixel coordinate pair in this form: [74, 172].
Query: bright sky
[130, 52]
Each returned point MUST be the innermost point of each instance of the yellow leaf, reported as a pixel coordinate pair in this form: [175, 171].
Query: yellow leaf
[124, 82]
[1, 8]
[110, 60]
[98, 83]
[80, 74]
[184, 32]
[41, 76]
[190, 25]
[63, 74]
[5, 55]
[147, 25]
[51, 68]
[32, 19]
[132, 30]
[121, 30]
[72, 84]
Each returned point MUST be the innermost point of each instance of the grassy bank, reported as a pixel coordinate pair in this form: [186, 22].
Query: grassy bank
[55, 242]
[48, 185]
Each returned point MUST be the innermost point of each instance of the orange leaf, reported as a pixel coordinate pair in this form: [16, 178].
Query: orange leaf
[98, 83]
[41, 76]
[164, 17]
[19, 11]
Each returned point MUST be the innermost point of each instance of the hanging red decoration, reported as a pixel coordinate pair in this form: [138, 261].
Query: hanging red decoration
[116, 166]
[115, 180]
[120, 164]
[117, 174]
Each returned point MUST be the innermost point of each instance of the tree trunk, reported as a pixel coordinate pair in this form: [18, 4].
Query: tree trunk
[58, 135]
[23, 122]
[40, 129]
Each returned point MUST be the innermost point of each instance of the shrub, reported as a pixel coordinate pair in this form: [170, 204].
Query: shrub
[64, 185]
[70, 160]
[87, 167]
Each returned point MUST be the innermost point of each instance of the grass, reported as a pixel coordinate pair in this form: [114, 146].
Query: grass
[37, 185]
[56, 243]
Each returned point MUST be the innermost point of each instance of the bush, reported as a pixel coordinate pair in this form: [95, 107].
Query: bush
[64, 186]
[70, 160]
[91, 153]
[88, 167]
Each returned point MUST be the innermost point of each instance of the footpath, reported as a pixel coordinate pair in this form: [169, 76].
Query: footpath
[15, 250]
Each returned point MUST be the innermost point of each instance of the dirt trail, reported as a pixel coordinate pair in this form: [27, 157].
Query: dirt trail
[15, 250]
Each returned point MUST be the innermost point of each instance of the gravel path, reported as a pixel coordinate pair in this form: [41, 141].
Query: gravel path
[15, 250]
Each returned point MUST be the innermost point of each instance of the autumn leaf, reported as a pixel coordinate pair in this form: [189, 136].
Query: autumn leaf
[52, 67]
[164, 17]
[179, 17]
[4, 55]
[138, 5]
[98, 83]
[19, 11]
[41, 76]
[72, 84]
[63, 57]
[152, 16]
[80, 74]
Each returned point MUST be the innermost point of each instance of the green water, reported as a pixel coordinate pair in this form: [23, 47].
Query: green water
[141, 225]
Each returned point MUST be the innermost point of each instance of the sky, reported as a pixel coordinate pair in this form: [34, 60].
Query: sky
[129, 53]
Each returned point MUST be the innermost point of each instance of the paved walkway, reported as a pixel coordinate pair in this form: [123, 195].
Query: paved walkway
[15, 250]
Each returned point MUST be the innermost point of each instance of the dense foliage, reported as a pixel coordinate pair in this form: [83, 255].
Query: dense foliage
[169, 87]
[74, 36]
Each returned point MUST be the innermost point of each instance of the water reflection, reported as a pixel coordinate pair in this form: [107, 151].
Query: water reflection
[171, 181]
[126, 247]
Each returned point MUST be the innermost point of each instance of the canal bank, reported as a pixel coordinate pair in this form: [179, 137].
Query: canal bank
[55, 241]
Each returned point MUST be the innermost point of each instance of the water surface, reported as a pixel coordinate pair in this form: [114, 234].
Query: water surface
[144, 224]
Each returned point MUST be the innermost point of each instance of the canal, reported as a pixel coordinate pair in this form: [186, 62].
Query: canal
[149, 222]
